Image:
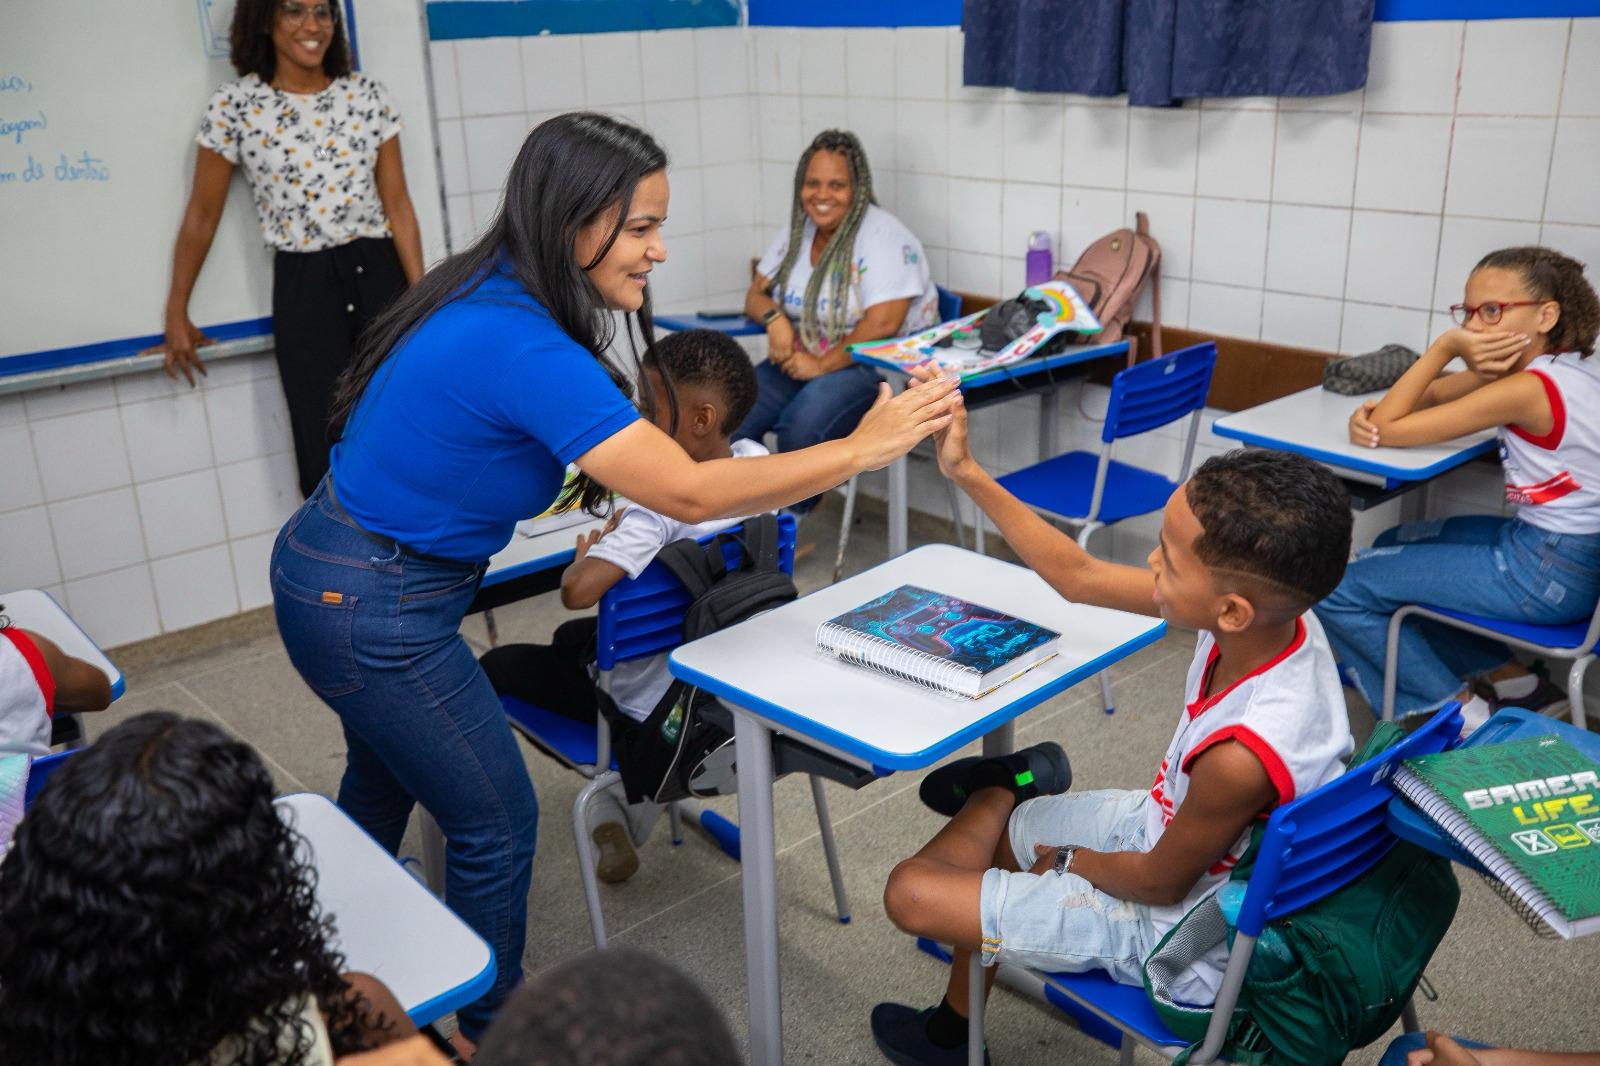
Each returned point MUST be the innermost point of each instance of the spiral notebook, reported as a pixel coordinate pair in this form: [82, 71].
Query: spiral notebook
[1529, 812]
[943, 642]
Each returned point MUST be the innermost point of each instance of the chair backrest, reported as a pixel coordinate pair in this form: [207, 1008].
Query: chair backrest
[644, 615]
[1317, 844]
[949, 304]
[1148, 395]
[40, 771]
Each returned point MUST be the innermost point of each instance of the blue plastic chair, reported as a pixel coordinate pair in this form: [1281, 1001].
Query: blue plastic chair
[640, 617]
[1091, 489]
[1313, 846]
[1578, 641]
[40, 771]
[949, 304]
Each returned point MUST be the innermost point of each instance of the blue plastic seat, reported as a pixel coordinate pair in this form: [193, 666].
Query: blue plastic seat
[639, 617]
[1313, 846]
[1576, 641]
[1091, 489]
[39, 772]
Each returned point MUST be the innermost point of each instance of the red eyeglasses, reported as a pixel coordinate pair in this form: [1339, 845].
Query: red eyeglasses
[1489, 311]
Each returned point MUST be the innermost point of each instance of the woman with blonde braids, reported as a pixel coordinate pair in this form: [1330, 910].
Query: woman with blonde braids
[846, 271]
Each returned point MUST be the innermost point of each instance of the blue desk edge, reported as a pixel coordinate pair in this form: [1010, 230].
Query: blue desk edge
[887, 760]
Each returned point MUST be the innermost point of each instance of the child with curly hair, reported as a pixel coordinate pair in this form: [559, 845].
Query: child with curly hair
[158, 912]
[1527, 334]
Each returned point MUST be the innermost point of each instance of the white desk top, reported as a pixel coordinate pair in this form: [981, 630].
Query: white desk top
[530, 555]
[1315, 423]
[770, 665]
[385, 922]
[37, 610]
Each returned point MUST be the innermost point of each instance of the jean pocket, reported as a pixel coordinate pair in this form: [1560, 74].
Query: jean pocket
[422, 586]
[316, 628]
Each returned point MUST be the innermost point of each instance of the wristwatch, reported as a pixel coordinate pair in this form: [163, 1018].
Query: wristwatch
[771, 313]
[1064, 856]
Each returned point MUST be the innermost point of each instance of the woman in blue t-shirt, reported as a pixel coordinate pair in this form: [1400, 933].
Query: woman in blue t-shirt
[458, 418]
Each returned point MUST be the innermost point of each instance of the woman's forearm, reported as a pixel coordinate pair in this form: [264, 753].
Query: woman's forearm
[188, 255]
[1406, 395]
[407, 239]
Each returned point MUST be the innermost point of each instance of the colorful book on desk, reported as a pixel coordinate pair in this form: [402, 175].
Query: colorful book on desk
[1067, 311]
[1529, 811]
[945, 643]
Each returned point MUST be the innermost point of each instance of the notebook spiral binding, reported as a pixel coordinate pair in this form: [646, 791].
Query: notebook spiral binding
[907, 664]
[1509, 884]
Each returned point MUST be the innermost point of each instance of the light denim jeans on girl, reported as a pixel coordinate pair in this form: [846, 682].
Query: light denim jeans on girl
[374, 631]
[1502, 568]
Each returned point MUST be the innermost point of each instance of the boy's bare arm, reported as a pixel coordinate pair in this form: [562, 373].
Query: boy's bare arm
[80, 685]
[1228, 788]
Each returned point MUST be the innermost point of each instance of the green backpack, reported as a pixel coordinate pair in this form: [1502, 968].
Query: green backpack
[1346, 966]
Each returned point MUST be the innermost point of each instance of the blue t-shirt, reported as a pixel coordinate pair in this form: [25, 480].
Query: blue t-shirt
[468, 426]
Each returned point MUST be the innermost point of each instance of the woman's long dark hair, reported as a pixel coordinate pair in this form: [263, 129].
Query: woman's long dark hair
[154, 904]
[250, 47]
[572, 169]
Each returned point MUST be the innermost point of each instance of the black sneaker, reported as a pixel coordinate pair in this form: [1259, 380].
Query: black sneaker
[902, 1035]
[1041, 770]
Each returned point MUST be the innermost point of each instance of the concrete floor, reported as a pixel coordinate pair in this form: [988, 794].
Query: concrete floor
[1495, 980]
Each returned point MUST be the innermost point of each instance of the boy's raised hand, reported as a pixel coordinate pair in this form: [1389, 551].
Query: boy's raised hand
[950, 444]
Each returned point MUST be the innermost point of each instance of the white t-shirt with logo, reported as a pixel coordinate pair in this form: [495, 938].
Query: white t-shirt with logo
[27, 696]
[887, 264]
[638, 685]
[311, 158]
[1290, 714]
[1554, 480]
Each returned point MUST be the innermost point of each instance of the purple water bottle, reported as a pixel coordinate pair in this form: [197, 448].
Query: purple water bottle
[1040, 263]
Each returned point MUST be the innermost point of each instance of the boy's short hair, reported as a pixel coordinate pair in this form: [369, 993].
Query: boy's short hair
[1274, 516]
[616, 1007]
[707, 357]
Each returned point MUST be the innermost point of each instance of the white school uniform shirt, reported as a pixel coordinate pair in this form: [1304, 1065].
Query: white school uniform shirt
[1553, 481]
[638, 685]
[887, 263]
[311, 158]
[1290, 714]
[27, 696]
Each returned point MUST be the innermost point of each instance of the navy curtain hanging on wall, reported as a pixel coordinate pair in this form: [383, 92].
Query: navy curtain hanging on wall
[1160, 52]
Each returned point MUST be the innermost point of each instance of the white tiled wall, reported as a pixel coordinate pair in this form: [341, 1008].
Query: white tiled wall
[143, 505]
[689, 87]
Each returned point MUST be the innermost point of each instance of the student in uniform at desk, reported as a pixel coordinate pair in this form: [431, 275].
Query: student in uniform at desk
[458, 418]
[320, 147]
[1527, 334]
[712, 388]
[156, 909]
[845, 272]
[37, 679]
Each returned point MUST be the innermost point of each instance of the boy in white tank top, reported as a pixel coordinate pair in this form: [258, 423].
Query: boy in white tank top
[1527, 333]
[1081, 881]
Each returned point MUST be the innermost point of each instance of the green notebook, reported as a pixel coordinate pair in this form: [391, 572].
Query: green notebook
[1529, 811]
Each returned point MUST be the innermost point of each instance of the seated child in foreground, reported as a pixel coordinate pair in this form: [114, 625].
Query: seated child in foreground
[1092, 880]
[37, 679]
[697, 385]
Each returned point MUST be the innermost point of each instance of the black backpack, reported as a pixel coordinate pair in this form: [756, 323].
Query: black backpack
[685, 747]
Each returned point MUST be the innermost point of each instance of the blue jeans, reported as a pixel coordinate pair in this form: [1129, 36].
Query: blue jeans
[1502, 568]
[374, 631]
[803, 413]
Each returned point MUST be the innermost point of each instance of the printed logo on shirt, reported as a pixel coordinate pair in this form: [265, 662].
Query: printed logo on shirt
[1563, 484]
[910, 254]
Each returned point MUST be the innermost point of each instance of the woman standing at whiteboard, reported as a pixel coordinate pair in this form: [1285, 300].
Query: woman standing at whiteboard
[320, 148]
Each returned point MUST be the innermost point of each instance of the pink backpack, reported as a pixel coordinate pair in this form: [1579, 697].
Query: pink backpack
[1109, 276]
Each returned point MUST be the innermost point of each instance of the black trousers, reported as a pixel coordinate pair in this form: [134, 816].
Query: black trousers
[321, 302]
[554, 676]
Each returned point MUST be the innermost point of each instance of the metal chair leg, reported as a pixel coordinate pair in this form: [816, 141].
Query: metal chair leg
[1084, 533]
[432, 852]
[675, 820]
[1105, 693]
[977, 531]
[580, 833]
[1125, 1056]
[830, 851]
[844, 525]
[955, 513]
[1575, 689]
[1408, 1017]
[975, 994]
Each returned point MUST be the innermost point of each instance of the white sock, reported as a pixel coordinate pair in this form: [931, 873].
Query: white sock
[1515, 688]
[1474, 713]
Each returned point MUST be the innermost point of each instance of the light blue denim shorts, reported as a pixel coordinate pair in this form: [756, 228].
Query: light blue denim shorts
[1060, 922]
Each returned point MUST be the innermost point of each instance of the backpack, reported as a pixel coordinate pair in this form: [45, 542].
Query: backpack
[684, 747]
[1109, 276]
[1347, 964]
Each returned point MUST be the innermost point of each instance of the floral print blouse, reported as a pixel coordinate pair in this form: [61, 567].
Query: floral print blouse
[311, 159]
